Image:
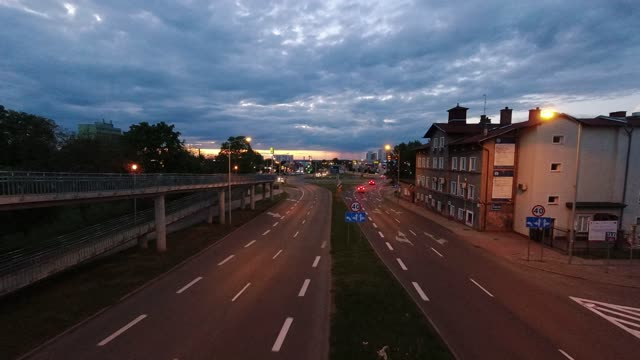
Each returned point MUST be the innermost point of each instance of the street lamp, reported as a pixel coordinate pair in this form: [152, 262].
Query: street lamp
[134, 169]
[248, 140]
[388, 148]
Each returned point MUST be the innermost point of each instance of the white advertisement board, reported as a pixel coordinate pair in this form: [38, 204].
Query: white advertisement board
[598, 229]
[505, 155]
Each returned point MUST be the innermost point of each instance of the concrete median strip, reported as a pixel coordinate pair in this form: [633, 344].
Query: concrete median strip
[122, 330]
[225, 260]
[240, 293]
[189, 285]
[282, 335]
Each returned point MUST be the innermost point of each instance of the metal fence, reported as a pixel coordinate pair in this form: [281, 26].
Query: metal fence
[14, 183]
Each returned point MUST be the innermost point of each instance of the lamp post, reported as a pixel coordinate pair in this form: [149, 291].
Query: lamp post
[248, 140]
[397, 153]
[134, 169]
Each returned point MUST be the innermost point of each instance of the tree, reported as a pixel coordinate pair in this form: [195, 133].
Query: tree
[407, 160]
[157, 148]
[242, 155]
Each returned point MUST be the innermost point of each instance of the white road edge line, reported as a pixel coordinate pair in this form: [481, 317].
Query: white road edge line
[122, 329]
[225, 260]
[296, 234]
[402, 265]
[282, 335]
[420, 292]
[389, 246]
[303, 289]
[324, 243]
[480, 286]
[266, 232]
[437, 252]
[276, 255]
[414, 234]
[250, 243]
[565, 354]
[189, 285]
[240, 293]
[315, 262]
[275, 224]
[380, 233]
[374, 225]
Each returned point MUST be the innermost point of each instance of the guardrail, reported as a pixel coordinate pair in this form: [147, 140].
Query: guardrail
[20, 183]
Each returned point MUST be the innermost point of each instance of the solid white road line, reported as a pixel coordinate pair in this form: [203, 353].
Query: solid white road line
[374, 225]
[250, 243]
[380, 233]
[303, 289]
[402, 265]
[436, 251]
[304, 221]
[189, 285]
[276, 255]
[296, 234]
[282, 335]
[266, 232]
[122, 329]
[396, 220]
[240, 293]
[420, 292]
[565, 354]
[414, 234]
[275, 224]
[225, 260]
[480, 286]
[324, 243]
[389, 246]
[315, 262]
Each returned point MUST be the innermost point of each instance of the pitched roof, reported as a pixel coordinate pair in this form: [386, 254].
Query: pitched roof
[494, 132]
[456, 129]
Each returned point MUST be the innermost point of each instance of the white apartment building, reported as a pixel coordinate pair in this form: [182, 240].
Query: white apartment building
[609, 170]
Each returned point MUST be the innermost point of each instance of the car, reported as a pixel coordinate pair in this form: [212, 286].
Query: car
[372, 182]
[360, 189]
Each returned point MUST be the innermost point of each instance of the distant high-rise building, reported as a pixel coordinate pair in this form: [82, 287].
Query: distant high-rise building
[371, 156]
[98, 129]
[280, 158]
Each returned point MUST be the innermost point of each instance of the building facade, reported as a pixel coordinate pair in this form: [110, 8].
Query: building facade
[98, 129]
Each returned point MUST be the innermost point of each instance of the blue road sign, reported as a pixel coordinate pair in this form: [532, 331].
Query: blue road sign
[355, 217]
[538, 222]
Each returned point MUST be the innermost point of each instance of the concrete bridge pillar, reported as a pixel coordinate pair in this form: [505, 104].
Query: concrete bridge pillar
[271, 191]
[161, 224]
[243, 201]
[210, 215]
[252, 198]
[221, 207]
[264, 191]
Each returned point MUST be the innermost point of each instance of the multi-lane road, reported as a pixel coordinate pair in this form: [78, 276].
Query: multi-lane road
[485, 308]
[263, 292]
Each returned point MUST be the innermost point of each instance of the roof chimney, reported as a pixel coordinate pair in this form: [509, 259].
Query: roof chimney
[618, 114]
[534, 114]
[458, 115]
[505, 116]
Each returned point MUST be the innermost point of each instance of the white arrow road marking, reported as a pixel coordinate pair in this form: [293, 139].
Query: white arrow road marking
[420, 292]
[440, 241]
[122, 329]
[626, 318]
[275, 215]
[403, 238]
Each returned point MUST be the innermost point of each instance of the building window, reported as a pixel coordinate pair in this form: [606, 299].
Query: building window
[441, 142]
[461, 187]
[472, 163]
[434, 183]
[558, 139]
[582, 224]
[439, 206]
[463, 164]
[460, 214]
[637, 220]
[454, 163]
[472, 191]
[441, 184]
[556, 167]
[428, 163]
[441, 163]
[435, 143]
[553, 200]
[469, 219]
[433, 202]
[454, 188]
[435, 162]
[452, 210]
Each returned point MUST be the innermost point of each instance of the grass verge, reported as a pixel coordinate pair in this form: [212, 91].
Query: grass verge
[371, 309]
[32, 315]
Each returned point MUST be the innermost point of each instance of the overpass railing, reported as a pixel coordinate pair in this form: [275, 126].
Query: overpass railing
[15, 183]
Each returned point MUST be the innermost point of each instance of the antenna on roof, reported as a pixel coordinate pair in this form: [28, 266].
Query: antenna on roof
[484, 111]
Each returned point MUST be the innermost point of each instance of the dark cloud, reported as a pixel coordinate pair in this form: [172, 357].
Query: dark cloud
[342, 76]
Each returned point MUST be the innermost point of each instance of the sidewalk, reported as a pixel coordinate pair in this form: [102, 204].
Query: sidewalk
[513, 246]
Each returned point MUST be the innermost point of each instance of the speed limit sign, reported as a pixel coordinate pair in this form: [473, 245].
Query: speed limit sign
[355, 206]
[538, 211]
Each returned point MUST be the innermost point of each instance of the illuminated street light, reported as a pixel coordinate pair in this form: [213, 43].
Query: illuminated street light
[388, 148]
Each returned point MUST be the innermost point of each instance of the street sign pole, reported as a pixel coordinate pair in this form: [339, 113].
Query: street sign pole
[542, 246]
[529, 249]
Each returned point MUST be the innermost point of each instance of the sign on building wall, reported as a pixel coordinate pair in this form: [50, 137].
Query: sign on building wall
[598, 229]
[502, 184]
[505, 152]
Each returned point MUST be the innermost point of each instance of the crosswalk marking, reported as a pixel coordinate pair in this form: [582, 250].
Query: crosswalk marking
[625, 317]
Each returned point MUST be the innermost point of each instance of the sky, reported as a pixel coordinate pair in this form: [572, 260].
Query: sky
[323, 78]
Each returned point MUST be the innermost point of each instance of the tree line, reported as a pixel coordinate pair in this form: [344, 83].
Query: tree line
[35, 143]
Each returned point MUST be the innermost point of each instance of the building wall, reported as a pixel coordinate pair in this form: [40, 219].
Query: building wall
[631, 214]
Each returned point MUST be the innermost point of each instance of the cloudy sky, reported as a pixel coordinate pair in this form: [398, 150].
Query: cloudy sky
[314, 76]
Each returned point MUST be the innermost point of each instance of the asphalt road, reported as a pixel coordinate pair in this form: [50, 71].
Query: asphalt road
[487, 308]
[263, 292]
